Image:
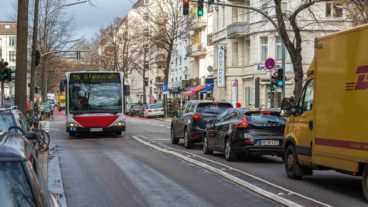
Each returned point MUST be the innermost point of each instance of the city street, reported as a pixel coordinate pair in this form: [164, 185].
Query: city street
[142, 168]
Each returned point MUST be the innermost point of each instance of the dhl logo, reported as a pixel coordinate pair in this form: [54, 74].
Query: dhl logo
[362, 81]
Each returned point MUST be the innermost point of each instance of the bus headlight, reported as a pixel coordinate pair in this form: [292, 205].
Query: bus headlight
[120, 124]
[71, 124]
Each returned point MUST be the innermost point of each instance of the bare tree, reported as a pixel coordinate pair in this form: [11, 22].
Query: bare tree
[357, 10]
[167, 24]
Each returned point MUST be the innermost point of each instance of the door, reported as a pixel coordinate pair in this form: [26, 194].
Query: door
[222, 128]
[213, 130]
[179, 121]
[303, 124]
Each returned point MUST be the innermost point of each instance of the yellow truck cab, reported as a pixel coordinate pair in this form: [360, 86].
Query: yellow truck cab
[328, 125]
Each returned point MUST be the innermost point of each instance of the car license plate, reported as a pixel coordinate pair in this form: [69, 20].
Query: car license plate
[156, 110]
[96, 129]
[270, 142]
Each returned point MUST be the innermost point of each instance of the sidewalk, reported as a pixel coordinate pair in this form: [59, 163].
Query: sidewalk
[165, 120]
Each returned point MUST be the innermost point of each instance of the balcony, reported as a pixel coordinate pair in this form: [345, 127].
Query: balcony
[237, 29]
[196, 50]
[198, 23]
[217, 36]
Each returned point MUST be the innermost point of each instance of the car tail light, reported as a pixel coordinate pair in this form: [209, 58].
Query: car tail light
[196, 116]
[266, 112]
[248, 140]
[243, 124]
[162, 109]
[149, 110]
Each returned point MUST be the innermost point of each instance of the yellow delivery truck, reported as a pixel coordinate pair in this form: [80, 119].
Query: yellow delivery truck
[328, 125]
[61, 102]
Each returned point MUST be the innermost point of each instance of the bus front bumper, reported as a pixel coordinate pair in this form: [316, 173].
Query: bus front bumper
[95, 129]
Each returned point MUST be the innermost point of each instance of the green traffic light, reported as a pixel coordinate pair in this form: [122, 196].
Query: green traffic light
[200, 13]
[280, 83]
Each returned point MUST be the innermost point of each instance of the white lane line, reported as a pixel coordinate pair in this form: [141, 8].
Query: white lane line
[161, 139]
[244, 173]
[161, 125]
[228, 176]
[168, 127]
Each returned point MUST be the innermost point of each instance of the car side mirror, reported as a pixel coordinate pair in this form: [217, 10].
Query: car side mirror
[30, 135]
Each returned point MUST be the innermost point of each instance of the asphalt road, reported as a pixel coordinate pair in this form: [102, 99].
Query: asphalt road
[105, 170]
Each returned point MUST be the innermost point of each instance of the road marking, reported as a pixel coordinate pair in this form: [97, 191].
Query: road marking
[161, 125]
[228, 176]
[162, 139]
[242, 172]
[168, 127]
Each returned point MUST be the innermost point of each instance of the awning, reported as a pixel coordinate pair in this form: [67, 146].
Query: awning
[193, 90]
[207, 88]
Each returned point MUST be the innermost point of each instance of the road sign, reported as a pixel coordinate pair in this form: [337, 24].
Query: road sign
[270, 63]
[165, 89]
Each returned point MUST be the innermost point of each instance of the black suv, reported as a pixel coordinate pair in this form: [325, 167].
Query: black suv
[190, 123]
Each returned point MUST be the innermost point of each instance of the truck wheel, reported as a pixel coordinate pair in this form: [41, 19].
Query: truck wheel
[174, 140]
[365, 182]
[292, 166]
[187, 142]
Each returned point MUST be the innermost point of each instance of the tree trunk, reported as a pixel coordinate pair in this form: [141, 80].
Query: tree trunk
[168, 60]
[296, 59]
[21, 58]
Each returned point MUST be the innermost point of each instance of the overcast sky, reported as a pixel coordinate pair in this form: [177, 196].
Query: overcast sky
[88, 19]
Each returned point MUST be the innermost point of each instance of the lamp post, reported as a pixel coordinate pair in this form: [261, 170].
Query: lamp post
[34, 46]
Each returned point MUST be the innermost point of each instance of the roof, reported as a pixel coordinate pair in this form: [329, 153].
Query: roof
[8, 28]
[14, 147]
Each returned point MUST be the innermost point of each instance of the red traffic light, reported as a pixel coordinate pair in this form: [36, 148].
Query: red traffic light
[185, 7]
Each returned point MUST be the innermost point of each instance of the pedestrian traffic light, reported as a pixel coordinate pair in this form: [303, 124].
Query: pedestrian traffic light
[185, 7]
[280, 78]
[200, 11]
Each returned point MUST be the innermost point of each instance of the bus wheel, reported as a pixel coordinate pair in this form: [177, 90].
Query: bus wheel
[365, 182]
[118, 133]
[71, 134]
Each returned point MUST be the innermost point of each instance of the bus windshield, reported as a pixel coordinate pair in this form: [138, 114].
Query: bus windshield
[95, 97]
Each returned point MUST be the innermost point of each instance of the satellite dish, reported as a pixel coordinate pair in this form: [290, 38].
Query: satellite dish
[209, 68]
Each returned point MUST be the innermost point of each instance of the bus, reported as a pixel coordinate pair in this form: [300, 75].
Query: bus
[94, 102]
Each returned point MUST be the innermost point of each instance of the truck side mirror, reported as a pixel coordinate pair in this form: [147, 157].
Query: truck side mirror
[287, 107]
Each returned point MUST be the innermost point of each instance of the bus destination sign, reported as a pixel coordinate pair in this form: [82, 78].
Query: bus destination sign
[94, 77]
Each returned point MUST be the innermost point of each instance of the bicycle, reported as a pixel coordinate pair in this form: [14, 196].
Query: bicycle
[40, 142]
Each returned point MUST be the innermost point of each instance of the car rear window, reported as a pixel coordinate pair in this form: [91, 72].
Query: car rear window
[6, 121]
[259, 117]
[155, 106]
[15, 189]
[212, 108]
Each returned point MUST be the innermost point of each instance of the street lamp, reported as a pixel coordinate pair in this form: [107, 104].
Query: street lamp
[34, 45]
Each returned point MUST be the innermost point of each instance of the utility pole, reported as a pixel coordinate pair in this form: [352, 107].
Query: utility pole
[34, 48]
[145, 68]
[21, 56]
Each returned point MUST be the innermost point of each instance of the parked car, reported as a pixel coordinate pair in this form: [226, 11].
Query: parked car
[241, 131]
[154, 110]
[10, 117]
[141, 110]
[190, 123]
[21, 185]
[134, 110]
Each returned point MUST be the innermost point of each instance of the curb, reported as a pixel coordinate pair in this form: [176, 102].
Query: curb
[55, 183]
[165, 120]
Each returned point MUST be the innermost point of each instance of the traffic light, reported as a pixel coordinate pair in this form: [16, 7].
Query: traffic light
[200, 11]
[185, 7]
[273, 81]
[145, 81]
[280, 78]
[7, 74]
[211, 2]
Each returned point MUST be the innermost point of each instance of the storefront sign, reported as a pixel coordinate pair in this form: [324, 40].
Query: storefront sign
[234, 92]
[221, 66]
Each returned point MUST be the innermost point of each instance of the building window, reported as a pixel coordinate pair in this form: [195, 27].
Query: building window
[247, 52]
[223, 17]
[284, 6]
[235, 53]
[1, 52]
[176, 61]
[278, 47]
[180, 59]
[264, 48]
[334, 10]
[12, 56]
[12, 40]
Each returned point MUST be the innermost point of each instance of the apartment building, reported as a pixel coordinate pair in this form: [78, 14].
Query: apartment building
[243, 40]
[8, 42]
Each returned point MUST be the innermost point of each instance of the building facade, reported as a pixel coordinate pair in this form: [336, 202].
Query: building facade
[8, 43]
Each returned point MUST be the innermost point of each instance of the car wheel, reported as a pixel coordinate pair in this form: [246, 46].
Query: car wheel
[292, 166]
[365, 182]
[230, 155]
[187, 142]
[206, 149]
[71, 134]
[118, 133]
[174, 140]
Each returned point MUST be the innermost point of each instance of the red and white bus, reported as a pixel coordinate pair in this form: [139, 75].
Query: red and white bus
[94, 102]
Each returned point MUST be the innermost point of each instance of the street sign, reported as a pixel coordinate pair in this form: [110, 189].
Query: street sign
[165, 89]
[270, 63]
